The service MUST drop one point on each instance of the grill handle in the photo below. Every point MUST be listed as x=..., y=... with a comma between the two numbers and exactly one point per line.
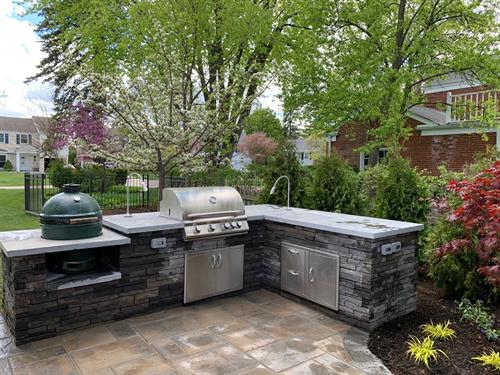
x=217, y=214
x=84, y=220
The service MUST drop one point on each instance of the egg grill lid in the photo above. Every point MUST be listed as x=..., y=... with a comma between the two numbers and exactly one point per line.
x=71, y=207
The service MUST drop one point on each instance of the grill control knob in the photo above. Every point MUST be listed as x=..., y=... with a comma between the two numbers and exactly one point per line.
x=239, y=224
x=196, y=229
x=211, y=227
x=227, y=225
x=233, y=224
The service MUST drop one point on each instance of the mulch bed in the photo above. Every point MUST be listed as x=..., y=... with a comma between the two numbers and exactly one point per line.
x=389, y=341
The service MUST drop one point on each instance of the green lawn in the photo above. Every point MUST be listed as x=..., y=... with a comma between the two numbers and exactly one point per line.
x=12, y=216
x=11, y=179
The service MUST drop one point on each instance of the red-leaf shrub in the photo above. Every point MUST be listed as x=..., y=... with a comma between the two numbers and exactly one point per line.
x=478, y=216
x=258, y=147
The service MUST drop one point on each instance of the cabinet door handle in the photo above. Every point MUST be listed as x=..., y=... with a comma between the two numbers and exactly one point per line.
x=292, y=251
x=293, y=273
x=311, y=277
x=219, y=260
x=212, y=261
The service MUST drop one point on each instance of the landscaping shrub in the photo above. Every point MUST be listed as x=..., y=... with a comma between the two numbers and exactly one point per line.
x=7, y=166
x=465, y=261
x=120, y=176
x=60, y=175
x=284, y=162
x=401, y=194
x=95, y=178
x=334, y=187
x=477, y=313
x=368, y=181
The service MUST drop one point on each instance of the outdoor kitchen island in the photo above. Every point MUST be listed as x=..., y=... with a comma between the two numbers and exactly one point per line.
x=357, y=269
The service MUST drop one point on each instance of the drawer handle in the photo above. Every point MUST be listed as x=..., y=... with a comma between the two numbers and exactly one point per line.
x=219, y=261
x=293, y=273
x=292, y=251
x=212, y=261
x=311, y=277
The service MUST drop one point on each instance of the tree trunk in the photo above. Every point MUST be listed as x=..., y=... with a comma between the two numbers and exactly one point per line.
x=373, y=158
x=161, y=175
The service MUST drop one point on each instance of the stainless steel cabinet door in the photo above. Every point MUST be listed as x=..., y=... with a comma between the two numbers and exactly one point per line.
x=322, y=279
x=292, y=268
x=229, y=266
x=199, y=276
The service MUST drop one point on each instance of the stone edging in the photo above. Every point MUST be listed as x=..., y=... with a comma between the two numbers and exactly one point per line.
x=356, y=345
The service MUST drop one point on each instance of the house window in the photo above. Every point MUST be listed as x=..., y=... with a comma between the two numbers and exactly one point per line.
x=4, y=138
x=23, y=139
x=3, y=159
x=364, y=158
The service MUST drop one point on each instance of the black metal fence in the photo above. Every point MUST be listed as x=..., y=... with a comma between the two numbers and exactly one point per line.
x=110, y=190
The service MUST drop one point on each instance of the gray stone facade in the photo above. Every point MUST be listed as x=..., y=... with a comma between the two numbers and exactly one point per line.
x=373, y=288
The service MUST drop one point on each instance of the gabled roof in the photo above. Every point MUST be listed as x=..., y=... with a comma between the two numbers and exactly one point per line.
x=17, y=124
x=42, y=123
x=426, y=115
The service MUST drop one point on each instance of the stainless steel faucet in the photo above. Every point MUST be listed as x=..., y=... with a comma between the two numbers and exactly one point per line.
x=129, y=180
x=273, y=189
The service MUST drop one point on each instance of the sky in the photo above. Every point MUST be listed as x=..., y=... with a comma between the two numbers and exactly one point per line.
x=21, y=52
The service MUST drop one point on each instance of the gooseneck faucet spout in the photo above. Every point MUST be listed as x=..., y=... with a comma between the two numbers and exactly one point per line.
x=130, y=182
x=273, y=189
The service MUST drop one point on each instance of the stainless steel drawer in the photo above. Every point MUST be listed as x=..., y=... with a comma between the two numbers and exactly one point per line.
x=293, y=261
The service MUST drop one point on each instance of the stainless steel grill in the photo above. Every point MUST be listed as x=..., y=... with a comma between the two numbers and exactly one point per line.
x=205, y=211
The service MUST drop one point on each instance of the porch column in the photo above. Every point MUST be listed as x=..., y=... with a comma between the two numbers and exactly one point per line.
x=18, y=161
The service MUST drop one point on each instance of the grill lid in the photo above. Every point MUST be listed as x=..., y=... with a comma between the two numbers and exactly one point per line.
x=198, y=203
x=71, y=215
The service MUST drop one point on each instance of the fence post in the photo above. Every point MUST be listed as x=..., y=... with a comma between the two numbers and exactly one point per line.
x=27, y=204
x=42, y=185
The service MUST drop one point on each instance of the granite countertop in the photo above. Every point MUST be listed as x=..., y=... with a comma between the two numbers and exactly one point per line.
x=360, y=226
x=30, y=242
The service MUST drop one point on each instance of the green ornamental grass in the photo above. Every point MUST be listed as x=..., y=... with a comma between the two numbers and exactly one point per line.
x=440, y=331
x=423, y=351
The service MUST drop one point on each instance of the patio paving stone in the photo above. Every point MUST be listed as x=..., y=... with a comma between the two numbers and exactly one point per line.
x=58, y=365
x=169, y=349
x=256, y=333
x=195, y=342
x=112, y=354
x=155, y=365
x=208, y=363
x=283, y=354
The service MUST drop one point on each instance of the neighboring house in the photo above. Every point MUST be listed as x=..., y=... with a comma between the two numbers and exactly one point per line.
x=443, y=132
x=304, y=152
x=239, y=161
x=20, y=140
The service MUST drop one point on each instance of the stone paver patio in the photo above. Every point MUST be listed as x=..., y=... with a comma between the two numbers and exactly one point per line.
x=258, y=332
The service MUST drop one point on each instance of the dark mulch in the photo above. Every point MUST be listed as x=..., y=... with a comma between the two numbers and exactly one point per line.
x=389, y=341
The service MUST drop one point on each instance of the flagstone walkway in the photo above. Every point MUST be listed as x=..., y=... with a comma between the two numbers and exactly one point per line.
x=255, y=333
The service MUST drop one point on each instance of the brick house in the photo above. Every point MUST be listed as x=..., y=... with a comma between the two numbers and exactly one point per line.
x=20, y=139
x=442, y=134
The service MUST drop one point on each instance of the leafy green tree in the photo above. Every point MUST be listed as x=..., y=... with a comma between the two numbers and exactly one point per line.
x=363, y=62
x=284, y=162
x=334, y=186
x=400, y=193
x=263, y=120
x=221, y=50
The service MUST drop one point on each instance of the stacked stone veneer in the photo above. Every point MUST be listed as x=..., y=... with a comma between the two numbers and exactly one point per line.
x=373, y=288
